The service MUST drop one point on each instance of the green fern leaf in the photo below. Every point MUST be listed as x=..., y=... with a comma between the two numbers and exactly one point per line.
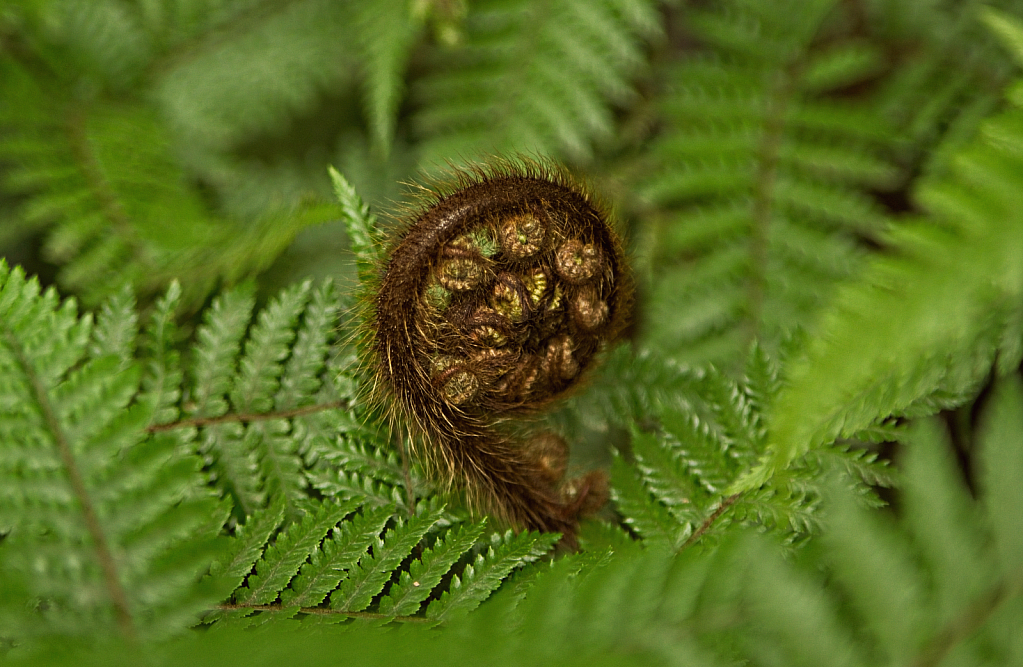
x=533, y=77
x=1003, y=463
x=249, y=542
x=651, y=520
x=218, y=343
x=109, y=524
x=387, y=32
x=343, y=485
x=338, y=555
x=486, y=572
x=369, y=576
x=284, y=558
x=161, y=381
x=951, y=291
x=424, y=573
x=267, y=345
x=666, y=478
x=360, y=224
x=763, y=183
x=116, y=327
x=301, y=377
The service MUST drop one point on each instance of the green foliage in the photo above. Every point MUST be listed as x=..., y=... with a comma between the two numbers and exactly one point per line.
x=762, y=179
x=675, y=487
x=823, y=203
x=537, y=77
x=951, y=290
x=103, y=523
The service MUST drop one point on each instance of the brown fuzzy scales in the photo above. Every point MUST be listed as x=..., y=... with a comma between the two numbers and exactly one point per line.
x=494, y=301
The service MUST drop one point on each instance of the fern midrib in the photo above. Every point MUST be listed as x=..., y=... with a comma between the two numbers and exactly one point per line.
x=763, y=199
x=117, y=594
x=323, y=611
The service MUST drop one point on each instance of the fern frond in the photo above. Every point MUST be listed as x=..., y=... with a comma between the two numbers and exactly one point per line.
x=407, y=594
x=102, y=179
x=933, y=584
x=486, y=572
x=284, y=558
x=109, y=525
x=267, y=345
x=162, y=377
x=249, y=542
x=343, y=485
x=640, y=510
x=387, y=32
x=533, y=77
x=300, y=379
x=116, y=327
x=227, y=80
x=367, y=579
x=360, y=223
x=677, y=484
x=950, y=293
x=762, y=181
x=339, y=554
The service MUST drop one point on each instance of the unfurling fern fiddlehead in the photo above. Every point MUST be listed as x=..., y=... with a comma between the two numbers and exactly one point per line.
x=494, y=300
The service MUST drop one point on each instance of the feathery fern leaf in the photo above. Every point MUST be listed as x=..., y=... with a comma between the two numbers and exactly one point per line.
x=110, y=527
x=681, y=474
x=284, y=558
x=360, y=223
x=933, y=585
x=486, y=572
x=950, y=294
x=338, y=555
x=424, y=573
x=162, y=377
x=762, y=181
x=101, y=177
x=387, y=32
x=367, y=579
x=537, y=77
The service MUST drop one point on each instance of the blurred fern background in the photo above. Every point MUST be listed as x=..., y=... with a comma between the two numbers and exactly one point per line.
x=814, y=431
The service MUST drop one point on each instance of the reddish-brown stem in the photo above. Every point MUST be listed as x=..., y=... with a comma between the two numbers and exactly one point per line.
x=320, y=611
x=709, y=521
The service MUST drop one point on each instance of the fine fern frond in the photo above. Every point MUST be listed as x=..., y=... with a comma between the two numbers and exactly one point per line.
x=101, y=177
x=951, y=293
x=249, y=541
x=533, y=77
x=360, y=223
x=338, y=555
x=367, y=579
x=284, y=558
x=934, y=584
x=423, y=575
x=108, y=525
x=761, y=185
x=162, y=376
x=679, y=481
x=387, y=32
x=486, y=572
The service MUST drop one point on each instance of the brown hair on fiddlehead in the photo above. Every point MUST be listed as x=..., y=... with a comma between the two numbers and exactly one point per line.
x=495, y=298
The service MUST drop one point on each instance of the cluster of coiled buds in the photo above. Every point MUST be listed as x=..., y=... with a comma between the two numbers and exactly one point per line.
x=495, y=299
